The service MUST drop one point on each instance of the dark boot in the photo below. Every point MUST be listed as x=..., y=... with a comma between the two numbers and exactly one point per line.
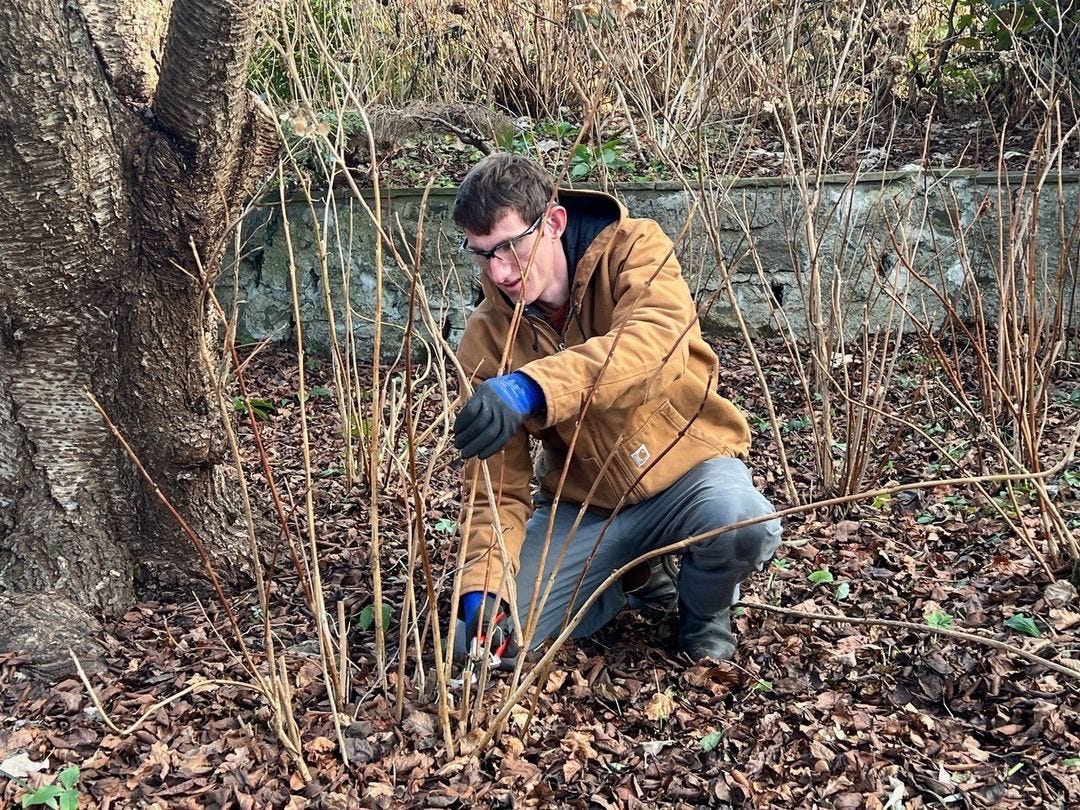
x=650, y=588
x=706, y=638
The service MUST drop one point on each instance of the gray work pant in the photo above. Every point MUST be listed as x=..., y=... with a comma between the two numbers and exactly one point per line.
x=716, y=493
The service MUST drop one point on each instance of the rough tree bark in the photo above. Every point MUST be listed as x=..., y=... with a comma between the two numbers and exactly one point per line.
x=128, y=144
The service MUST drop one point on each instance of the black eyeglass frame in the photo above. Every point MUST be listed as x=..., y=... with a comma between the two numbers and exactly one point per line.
x=487, y=255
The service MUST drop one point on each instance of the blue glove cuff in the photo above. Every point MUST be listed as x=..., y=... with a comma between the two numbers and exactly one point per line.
x=470, y=603
x=520, y=391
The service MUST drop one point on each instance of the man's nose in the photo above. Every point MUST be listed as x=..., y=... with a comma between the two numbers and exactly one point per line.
x=503, y=271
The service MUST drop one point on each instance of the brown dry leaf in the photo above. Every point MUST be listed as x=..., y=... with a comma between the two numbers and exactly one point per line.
x=18, y=740
x=845, y=530
x=419, y=724
x=1060, y=592
x=21, y=766
x=468, y=743
x=1063, y=619
x=238, y=758
x=606, y=689
x=974, y=751
x=1049, y=683
x=660, y=706
x=98, y=760
x=320, y=747
x=849, y=801
x=377, y=790
x=337, y=801
x=406, y=761
x=571, y=768
x=706, y=677
x=850, y=643
x=512, y=768
x=555, y=681
x=845, y=657
x=579, y=745
x=512, y=746
x=157, y=764
x=194, y=763
x=308, y=673
x=201, y=685
x=922, y=718
x=519, y=715
x=616, y=693
x=454, y=766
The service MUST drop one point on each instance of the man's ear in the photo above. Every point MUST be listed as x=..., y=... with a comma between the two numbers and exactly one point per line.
x=556, y=220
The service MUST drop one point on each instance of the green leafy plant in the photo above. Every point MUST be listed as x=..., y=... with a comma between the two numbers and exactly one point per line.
x=795, y=424
x=62, y=796
x=822, y=576
x=446, y=526
x=520, y=143
x=953, y=455
x=760, y=423
x=1023, y=624
x=1070, y=398
x=263, y=409
x=367, y=617
x=939, y=618
x=881, y=502
x=711, y=740
x=588, y=160
x=843, y=590
x=958, y=501
x=761, y=685
x=547, y=134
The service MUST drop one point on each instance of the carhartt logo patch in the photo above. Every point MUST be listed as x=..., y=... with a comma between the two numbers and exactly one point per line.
x=640, y=456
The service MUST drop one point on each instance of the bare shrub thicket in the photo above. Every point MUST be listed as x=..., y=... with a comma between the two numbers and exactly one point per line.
x=664, y=74
x=696, y=87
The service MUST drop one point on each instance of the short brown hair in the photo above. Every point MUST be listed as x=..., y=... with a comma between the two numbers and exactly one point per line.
x=499, y=183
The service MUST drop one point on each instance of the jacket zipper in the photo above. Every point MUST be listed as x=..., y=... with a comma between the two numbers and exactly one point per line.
x=542, y=326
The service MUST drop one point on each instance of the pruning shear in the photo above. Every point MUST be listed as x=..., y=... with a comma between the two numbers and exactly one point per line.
x=498, y=650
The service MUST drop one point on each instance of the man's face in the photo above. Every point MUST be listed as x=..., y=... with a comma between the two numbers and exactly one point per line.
x=523, y=262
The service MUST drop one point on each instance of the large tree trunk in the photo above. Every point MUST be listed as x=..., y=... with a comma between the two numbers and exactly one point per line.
x=112, y=181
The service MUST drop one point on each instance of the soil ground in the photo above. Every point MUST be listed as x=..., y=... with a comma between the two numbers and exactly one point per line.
x=808, y=714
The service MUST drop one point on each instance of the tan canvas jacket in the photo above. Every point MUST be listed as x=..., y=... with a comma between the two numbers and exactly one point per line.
x=632, y=350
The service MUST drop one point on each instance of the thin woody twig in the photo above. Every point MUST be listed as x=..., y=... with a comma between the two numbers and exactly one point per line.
x=123, y=732
x=925, y=629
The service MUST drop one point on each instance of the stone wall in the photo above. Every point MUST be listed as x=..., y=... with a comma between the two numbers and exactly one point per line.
x=882, y=249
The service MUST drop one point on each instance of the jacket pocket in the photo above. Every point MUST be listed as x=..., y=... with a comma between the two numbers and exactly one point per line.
x=696, y=429
x=586, y=474
x=638, y=454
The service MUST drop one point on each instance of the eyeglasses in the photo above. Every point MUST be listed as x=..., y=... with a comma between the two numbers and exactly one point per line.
x=485, y=256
